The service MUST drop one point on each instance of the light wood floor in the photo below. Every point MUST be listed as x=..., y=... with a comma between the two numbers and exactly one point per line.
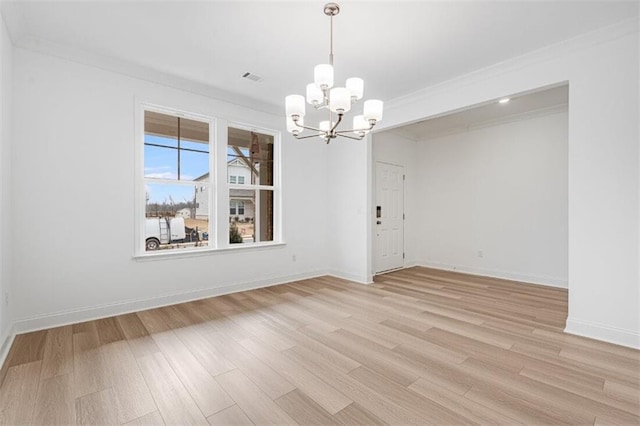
x=419, y=346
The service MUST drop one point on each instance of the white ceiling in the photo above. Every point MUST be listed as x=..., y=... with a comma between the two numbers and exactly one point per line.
x=519, y=107
x=397, y=47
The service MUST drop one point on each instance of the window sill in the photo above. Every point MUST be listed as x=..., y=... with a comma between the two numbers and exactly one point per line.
x=204, y=251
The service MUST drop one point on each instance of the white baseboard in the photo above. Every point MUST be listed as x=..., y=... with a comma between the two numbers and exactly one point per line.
x=360, y=279
x=526, y=278
x=603, y=332
x=57, y=319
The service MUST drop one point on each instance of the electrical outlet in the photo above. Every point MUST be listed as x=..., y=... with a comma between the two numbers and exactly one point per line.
x=6, y=298
x=293, y=258
x=480, y=253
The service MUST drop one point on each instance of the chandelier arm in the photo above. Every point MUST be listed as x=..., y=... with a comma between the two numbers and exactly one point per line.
x=355, y=138
x=313, y=129
x=356, y=130
x=337, y=123
x=306, y=137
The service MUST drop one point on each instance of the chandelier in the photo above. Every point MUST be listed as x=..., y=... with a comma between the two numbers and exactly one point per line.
x=336, y=100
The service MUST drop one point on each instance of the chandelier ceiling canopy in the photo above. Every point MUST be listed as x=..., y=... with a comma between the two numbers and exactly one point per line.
x=322, y=95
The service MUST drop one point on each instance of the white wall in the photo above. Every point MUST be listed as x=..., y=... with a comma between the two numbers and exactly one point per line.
x=348, y=212
x=389, y=147
x=6, y=68
x=602, y=71
x=74, y=149
x=500, y=190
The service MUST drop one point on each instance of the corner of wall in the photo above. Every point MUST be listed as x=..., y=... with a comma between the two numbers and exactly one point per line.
x=6, y=83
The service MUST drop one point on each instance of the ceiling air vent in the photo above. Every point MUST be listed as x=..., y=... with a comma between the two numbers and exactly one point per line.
x=252, y=77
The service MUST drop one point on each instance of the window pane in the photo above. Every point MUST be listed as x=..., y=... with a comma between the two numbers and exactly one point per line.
x=194, y=146
x=175, y=148
x=154, y=140
x=250, y=216
x=194, y=165
x=162, y=125
x=265, y=216
x=160, y=163
x=250, y=156
x=176, y=216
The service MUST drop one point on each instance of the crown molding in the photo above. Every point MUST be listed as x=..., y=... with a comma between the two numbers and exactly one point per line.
x=545, y=54
x=141, y=72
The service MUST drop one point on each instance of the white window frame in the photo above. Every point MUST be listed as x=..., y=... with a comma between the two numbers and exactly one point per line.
x=218, y=186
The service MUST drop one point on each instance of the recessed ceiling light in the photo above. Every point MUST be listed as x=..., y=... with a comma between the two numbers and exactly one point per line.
x=504, y=100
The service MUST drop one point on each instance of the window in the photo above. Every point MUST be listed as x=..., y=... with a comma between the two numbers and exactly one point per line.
x=236, y=207
x=179, y=198
x=176, y=169
x=236, y=179
x=250, y=156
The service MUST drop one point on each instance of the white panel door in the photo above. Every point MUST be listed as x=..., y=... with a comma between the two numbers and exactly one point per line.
x=389, y=217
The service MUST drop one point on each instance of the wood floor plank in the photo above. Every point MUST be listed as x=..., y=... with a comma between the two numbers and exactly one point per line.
x=254, y=403
x=368, y=353
x=26, y=348
x=267, y=379
x=133, y=398
x=355, y=415
x=207, y=354
x=565, y=406
x=140, y=341
x=465, y=407
x=174, y=401
x=90, y=371
x=431, y=412
x=324, y=395
x=204, y=390
x=97, y=408
x=18, y=393
x=232, y=416
x=622, y=364
x=55, y=403
x=622, y=392
x=304, y=410
x=57, y=358
x=151, y=419
x=109, y=330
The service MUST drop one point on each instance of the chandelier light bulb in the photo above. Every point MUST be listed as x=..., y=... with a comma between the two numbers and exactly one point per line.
x=314, y=94
x=323, y=76
x=294, y=105
x=373, y=110
x=340, y=100
x=325, y=127
x=356, y=87
x=360, y=125
x=293, y=127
